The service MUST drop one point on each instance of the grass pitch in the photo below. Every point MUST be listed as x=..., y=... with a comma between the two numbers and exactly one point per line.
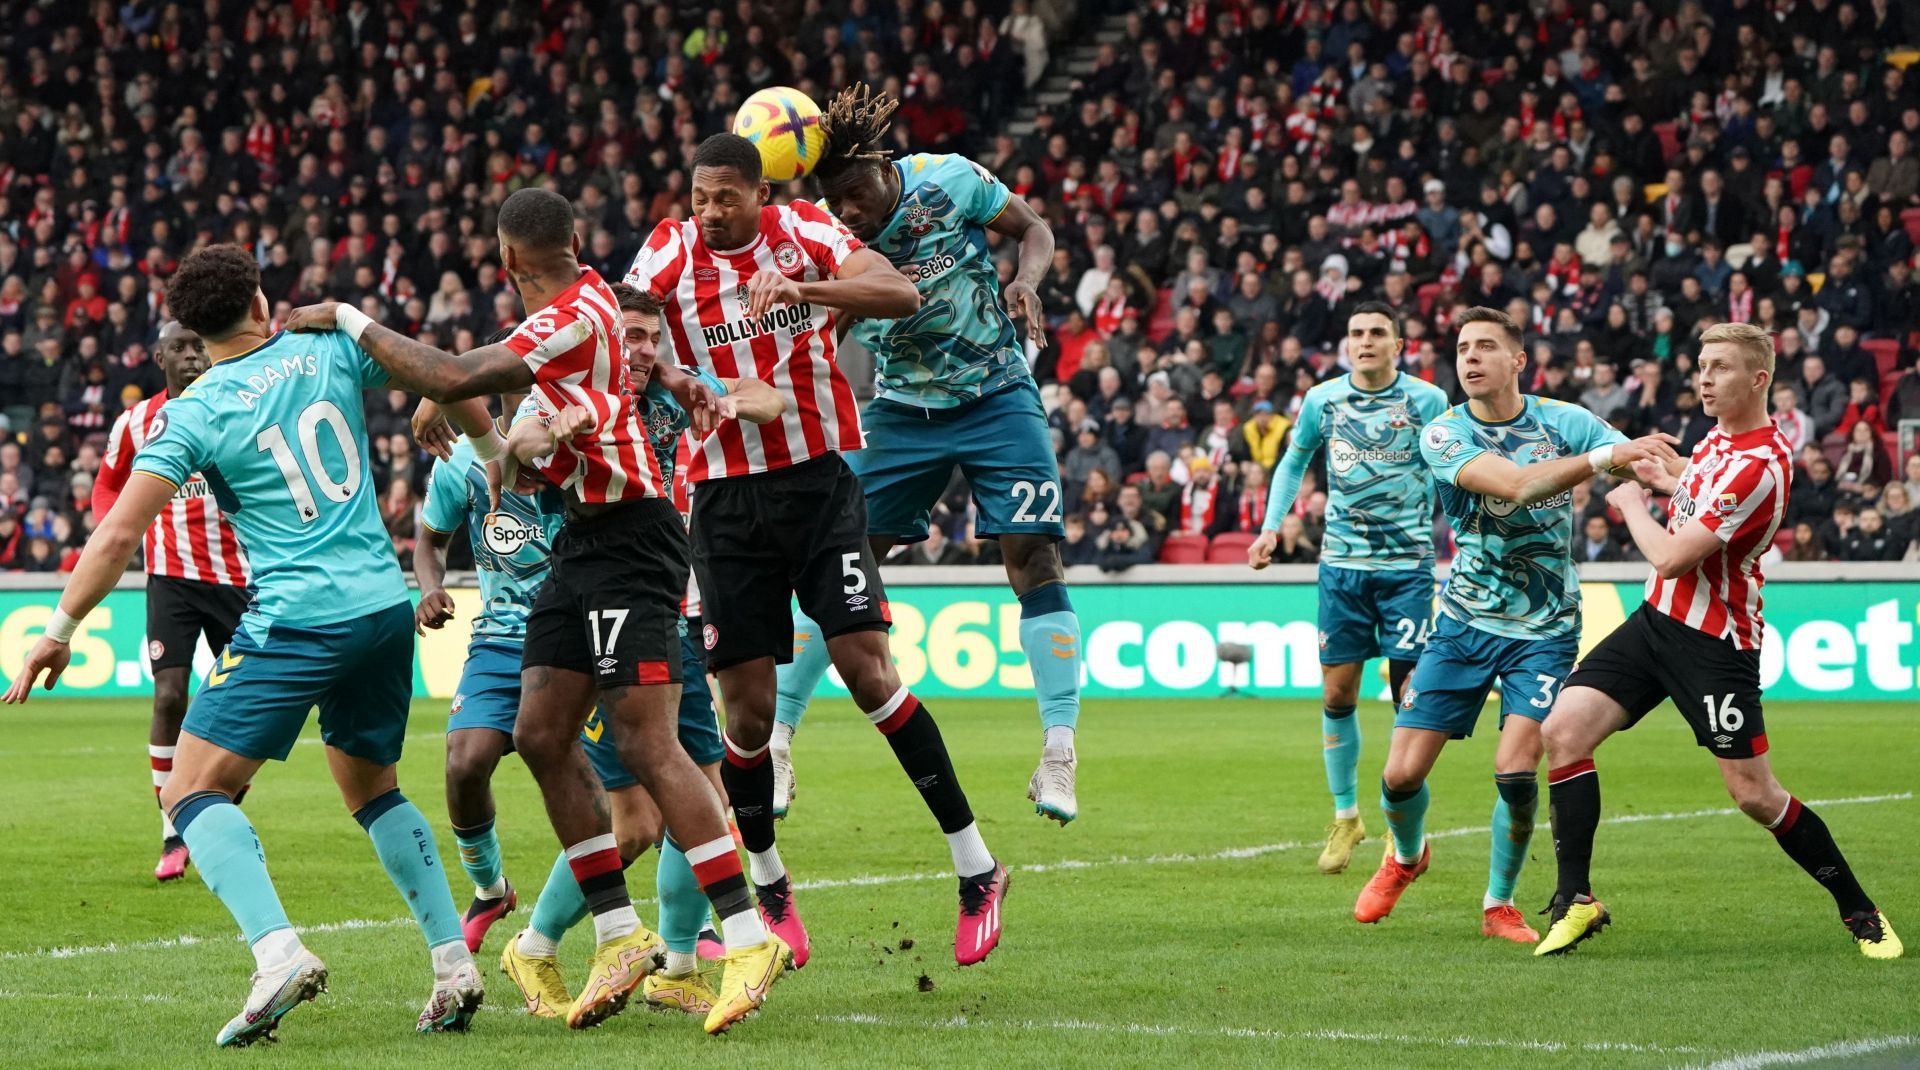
x=1179, y=921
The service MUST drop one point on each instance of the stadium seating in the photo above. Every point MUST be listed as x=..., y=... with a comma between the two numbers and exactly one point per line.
x=1229, y=548
x=1182, y=549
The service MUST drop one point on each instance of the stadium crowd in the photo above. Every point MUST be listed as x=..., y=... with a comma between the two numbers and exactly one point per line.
x=1225, y=181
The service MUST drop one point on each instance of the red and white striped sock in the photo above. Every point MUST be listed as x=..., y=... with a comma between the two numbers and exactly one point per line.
x=161, y=760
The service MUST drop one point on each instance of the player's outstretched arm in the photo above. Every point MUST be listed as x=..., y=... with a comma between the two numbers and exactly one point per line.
x=105, y=558
x=1671, y=555
x=416, y=366
x=1286, y=485
x=866, y=286
x=1490, y=474
x=755, y=401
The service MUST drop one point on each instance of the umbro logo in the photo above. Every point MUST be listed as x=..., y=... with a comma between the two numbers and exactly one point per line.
x=608, y=663
x=706, y=274
x=1722, y=740
x=857, y=601
x=927, y=781
x=749, y=811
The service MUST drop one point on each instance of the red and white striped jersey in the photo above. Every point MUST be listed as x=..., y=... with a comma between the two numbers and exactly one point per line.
x=575, y=349
x=190, y=539
x=1735, y=485
x=705, y=323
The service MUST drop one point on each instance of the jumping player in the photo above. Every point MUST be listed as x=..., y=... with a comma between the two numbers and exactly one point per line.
x=1376, y=564
x=751, y=290
x=275, y=426
x=1696, y=640
x=606, y=622
x=1507, y=463
x=953, y=388
x=196, y=572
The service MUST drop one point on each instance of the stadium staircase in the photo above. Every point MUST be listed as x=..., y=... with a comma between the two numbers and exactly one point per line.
x=1065, y=63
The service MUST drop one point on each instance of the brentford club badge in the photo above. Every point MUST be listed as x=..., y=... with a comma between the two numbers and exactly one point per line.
x=155, y=650
x=710, y=635
x=786, y=256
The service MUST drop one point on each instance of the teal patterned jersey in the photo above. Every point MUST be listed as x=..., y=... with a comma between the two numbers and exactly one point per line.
x=665, y=420
x=961, y=345
x=1379, y=491
x=1513, y=575
x=279, y=434
x=512, y=545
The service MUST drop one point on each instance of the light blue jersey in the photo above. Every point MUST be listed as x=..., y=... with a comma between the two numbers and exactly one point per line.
x=1513, y=575
x=279, y=433
x=961, y=345
x=512, y=545
x=1379, y=491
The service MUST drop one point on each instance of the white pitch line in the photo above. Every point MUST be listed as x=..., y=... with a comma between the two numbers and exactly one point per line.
x=1231, y=854
x=1846, y=1049
x=1337, y=1035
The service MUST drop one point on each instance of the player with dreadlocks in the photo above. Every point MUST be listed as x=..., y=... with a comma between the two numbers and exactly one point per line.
x=953, y=388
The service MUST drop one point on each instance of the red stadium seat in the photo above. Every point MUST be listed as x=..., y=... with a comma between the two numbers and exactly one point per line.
x=1138, y=477
x=1492, y=76
x=1229, y=548
x=1783, y=539
x=1160, y=324
x=1669, y=135
x=1184, y=550
x=1427, y=295
x=1886, y=353
x=1888, y=381
x=1910, y=218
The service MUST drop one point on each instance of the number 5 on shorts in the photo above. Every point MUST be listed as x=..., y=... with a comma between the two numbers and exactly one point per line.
x=855, y=576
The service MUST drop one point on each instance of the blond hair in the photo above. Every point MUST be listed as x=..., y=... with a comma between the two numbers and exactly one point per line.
x=1753, y=342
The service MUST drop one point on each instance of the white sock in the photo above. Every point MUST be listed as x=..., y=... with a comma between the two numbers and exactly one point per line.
x=970, y=855
x=614, y=924
x=782, y=735
x=160, y=776
x=744, y=929
x=166, y=827
x=1060, y=735
x=276, y=947
x=449, y=957
x=535, y=943
x=681, y=963
x=1488, y=902
x=765, y=867
x=492, y=891
x=1347, y=813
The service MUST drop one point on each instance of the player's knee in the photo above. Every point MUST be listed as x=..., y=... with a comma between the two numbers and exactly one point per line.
x=170, y=699
x=1760, y=798
x=1032, y=562
x=1402, y=776
x=539, y=744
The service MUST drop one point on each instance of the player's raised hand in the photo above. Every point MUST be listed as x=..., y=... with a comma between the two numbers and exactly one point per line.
x=434, y=611
x=1627, y=497
x=312, y=317
x=46, y=656
x=1655, y=447
x=1260, y=554
x=432, y=431
x=1024, y=302
x=767, y=289
x=1655, y=475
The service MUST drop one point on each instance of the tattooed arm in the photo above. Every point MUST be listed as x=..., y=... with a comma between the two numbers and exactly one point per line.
x=416, y=366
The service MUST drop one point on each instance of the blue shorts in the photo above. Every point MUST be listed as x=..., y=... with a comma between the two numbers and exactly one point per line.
x=1462, y=663
x=699, y=732
x=1366, y=613
x=359, y=672
x=1001, y=444
x=489, y=691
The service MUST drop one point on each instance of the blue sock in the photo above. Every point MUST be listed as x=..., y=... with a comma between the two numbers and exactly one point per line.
x=1512, y=831
x=1340, y=734
x=800, y=678
x=479, y=854
x=404, y=842
x=683, y=906
x=561, y=905
x=1050, y=636
x=227, y=853
x=1407, y=820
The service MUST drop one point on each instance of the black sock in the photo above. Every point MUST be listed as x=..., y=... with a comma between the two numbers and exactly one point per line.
x=917, y=745
x=749, y=783
x=1521, y=792
x=1806, y=840
x=1573, y=806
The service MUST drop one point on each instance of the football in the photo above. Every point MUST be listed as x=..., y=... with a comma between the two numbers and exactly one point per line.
x=784, y=124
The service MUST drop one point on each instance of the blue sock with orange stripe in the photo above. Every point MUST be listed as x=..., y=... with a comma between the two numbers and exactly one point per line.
x=1050, y=636
x=800, y=678
x=480, y=857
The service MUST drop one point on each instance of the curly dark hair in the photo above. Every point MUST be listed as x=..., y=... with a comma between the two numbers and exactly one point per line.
x=856, y=124
x=213, y=290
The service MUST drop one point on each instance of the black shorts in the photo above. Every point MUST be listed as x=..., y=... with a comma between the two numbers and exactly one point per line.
x=611, y=606
x=1715, y=684
x=763, y=539
x=180, y=611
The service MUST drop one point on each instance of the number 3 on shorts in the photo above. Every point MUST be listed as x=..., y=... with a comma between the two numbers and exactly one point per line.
x=1027, y=493
x=1547, y=684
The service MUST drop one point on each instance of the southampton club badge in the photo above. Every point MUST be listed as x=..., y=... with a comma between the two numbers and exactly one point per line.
x=786, y=256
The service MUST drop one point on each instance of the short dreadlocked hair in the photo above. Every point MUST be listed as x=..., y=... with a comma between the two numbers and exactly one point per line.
x=856, y=124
